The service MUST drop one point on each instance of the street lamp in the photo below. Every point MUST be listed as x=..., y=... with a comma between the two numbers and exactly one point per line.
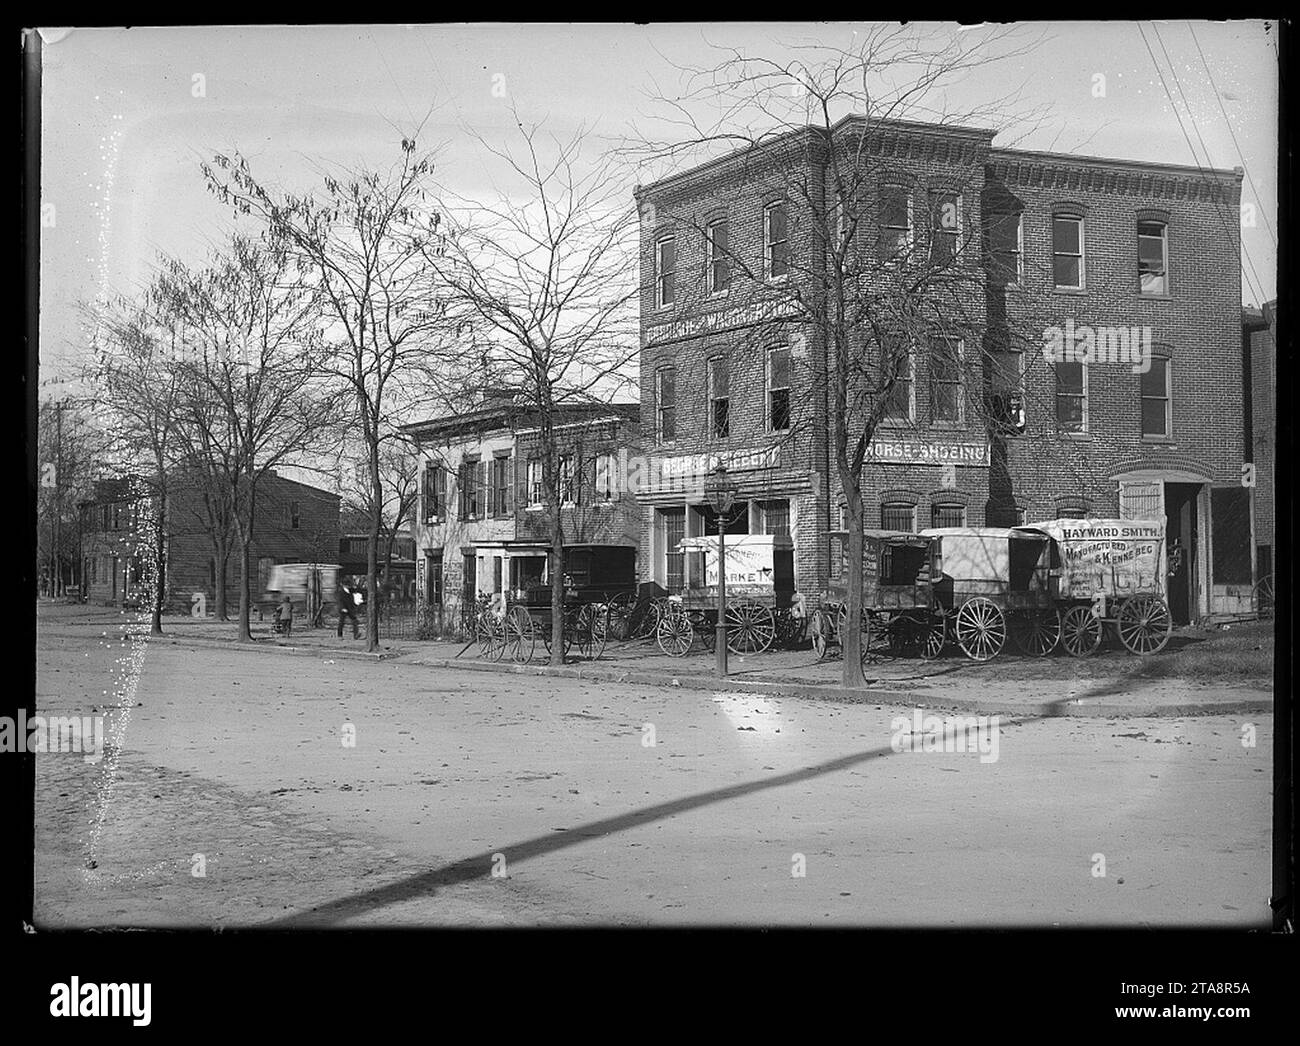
x=720, y=490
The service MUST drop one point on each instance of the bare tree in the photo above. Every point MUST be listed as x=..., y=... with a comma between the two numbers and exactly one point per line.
x=256, y=394
x=544, y=277
x=134, y=350
x=363, y=240
x=866, y=279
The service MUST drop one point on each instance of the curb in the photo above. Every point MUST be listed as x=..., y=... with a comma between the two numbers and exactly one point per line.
x=263, y=646
x=867, y=695
x=1074, y=707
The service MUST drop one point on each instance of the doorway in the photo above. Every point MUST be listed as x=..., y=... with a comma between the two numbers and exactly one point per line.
x=1182, y=538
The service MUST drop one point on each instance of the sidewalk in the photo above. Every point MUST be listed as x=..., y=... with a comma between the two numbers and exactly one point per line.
x=1113, y=683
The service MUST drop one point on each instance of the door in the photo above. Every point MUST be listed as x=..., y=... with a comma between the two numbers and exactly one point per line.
x=1181, y=538
x=469, y=595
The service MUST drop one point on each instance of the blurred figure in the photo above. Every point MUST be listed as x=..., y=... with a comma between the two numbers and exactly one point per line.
x=347, y=603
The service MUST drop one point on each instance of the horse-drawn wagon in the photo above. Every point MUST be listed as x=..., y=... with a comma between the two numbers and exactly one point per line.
x=762, y=607
x=1108, y=572
x=899, y=612
x=993, y=581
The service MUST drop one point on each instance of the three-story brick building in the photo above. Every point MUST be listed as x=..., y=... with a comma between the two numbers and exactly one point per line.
x=1096, y=371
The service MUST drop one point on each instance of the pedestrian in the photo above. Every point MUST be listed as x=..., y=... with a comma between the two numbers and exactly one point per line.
x=284, y=615
x=347, y=606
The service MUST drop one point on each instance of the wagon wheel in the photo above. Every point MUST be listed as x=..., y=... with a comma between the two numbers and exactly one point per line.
x=751, y=627
x=1144, y=624
x=521, y=637
x=706, y=628
x=873, y=634
x=981, y=629
x=485, y=631
x=915, y=634
x=592, y=628
x=1036, y=632
x=1262, y=596
x=821, y=631
x=935, y=639
x=1081, y=631
x=655, y=610
x=621, y=609
x=674, y=633
x=546, y=633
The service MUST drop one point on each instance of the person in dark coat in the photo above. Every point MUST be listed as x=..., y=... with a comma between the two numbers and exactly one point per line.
x=284, y=615
x=347, y=607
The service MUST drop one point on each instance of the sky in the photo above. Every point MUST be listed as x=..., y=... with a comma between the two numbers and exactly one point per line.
x=128, y=115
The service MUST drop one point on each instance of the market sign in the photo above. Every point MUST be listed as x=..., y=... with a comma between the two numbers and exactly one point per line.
x=911, y=450
x=722, y=319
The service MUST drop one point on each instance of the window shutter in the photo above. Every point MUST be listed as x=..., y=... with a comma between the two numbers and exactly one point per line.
x=509, y=486
x=491, y=488
x=482, y=482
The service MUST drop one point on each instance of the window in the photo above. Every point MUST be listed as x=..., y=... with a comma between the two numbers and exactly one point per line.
x=1156, y=420
x=666, y=404
x=946, y=406
x=499, y=482
x=895, y=515
x=435, y=493
x=1006, y=392
x=294, y=515
x=896, y=359
x=1072, y=512
x=605, y=477
x=947, y=515
x=1071, y=397
x=719, y=398
x=895, y=222
x=467, y=482
x=673, y=522
x=1067, y=253
x=774, y=516
x=533, y=478
x=434, y=580
x=567, y=493
x=776, y=237
x=1006, y=235
x=717, y=237
x=1153, y=252
x=778, y=388
x=945, y=226
x=665, y=271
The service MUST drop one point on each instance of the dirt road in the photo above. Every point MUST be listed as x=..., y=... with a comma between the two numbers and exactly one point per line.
x=482, y=799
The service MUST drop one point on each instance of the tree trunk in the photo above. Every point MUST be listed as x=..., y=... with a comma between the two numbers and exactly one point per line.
x=245, y=592
x=372, y=608
x=159, y=566
x=557, y=588
x=219, y=584
x=852, y=639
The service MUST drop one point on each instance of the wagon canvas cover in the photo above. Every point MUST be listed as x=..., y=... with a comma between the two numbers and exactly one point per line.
x=978, y=553
x=1116, y=557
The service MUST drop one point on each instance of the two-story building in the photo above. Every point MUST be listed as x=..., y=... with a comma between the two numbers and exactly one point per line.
x=482, y=529
x=293, y=523
x=1096, y=371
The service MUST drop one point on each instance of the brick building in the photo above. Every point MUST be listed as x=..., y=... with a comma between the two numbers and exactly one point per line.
x=294, y=523
x=984, y=427
x=481, y=529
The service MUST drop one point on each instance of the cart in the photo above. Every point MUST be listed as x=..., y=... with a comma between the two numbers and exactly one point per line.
x=761, y=604
x=899, y=612
x=993, y=581
x=594, y=577
x=1109, y=572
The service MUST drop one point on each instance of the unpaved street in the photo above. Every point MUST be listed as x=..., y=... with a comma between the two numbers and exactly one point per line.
x=234, y=763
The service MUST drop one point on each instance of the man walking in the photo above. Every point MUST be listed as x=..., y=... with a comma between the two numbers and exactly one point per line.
x=344, y=597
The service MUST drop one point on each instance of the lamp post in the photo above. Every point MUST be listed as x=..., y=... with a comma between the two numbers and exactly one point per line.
x=720, y=490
